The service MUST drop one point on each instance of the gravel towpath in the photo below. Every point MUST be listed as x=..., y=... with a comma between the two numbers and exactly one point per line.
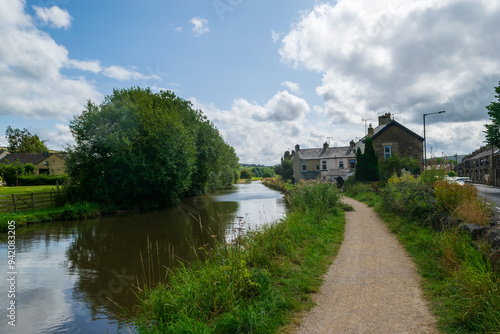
x=372, y=286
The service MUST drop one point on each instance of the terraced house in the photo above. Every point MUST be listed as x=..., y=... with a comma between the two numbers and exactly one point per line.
x=390, y=138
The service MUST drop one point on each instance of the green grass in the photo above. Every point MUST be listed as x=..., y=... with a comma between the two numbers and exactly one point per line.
x=277, y=183
x=67, y=212
x=457, y=276
x=256, y=284
x=26, y=190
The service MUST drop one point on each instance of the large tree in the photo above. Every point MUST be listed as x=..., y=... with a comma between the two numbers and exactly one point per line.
x=144, y=149
x=493, y=129
x=22, y=141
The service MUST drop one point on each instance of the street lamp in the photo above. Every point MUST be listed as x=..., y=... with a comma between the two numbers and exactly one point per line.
x=425, y=142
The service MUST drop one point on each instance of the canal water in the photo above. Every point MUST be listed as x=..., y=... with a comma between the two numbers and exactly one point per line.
x=72, y=275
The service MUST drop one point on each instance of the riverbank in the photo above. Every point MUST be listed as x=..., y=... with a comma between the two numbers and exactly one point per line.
x=257, y=283
x=67, y=212
x=277, y=183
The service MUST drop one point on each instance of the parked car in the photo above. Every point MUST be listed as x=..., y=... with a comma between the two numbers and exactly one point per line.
x=463, y=180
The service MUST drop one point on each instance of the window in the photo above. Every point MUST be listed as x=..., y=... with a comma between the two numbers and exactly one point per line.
x=341, y=164
x=304, y=165
x=387, y=152
x=352, y=163
x=324, y=165
x=317, y=167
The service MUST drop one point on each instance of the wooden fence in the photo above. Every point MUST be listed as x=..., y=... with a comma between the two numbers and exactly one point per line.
x=14, y=203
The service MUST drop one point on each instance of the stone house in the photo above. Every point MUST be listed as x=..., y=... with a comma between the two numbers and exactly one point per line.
x=478, y=167
x=45, y=163
x=325, y=163
x=390, y=138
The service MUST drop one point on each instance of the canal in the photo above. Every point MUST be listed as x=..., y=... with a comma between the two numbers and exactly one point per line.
x=71, y=276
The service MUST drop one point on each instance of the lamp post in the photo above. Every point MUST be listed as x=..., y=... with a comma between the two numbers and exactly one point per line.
x=425, y=142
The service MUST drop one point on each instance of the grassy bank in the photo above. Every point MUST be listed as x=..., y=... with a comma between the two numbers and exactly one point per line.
x=458, y=277
x=67, y=212
x=26, y=190
x=277, y=183
x=257, y=283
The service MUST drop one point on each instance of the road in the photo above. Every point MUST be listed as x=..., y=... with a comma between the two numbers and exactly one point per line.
x=492, y=195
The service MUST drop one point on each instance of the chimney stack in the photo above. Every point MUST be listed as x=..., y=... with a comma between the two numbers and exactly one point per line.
x=297, y=148
x=371, y=132
x=384, y=119
x=352, y=144
x=325, y=145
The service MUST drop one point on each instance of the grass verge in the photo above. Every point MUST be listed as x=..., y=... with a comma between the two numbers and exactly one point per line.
x=457, y=277
x=67, y=212
x=258, y=282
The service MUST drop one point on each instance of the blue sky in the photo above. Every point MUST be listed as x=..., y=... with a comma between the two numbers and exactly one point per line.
x=268, y=74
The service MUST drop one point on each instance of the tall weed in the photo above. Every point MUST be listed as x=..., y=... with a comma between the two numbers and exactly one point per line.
x=314, y=196
x=449, y=195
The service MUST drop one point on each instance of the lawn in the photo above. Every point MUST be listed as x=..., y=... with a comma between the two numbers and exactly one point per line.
x=26, y=190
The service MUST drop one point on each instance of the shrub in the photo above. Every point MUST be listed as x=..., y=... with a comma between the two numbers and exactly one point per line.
x=409, y=197
x=41, y=180
x=246, y=174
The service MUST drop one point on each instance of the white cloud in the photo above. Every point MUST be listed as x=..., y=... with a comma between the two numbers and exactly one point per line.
x=259, y=132
x=57, y=138
x=403, y=57
x=53, y=16
x=178, y=29
x=31, y=82
x=200, y=26
x=293, y=86
x=85, y=65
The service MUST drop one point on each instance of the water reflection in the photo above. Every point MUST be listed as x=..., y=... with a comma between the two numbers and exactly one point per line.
x=68, y=273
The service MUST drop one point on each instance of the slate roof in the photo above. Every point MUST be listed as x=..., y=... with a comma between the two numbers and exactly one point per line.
x=322, y=153
x=381, y=128
x=24, y=158
x=486, y=153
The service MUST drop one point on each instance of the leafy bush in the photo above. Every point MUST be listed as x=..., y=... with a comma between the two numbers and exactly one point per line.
x=409, y=197
x=397, y=164
x=245, y=174
x=432, y=176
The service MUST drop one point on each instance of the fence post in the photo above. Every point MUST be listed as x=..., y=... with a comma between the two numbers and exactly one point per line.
x=33, y=201
x=15, y=203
